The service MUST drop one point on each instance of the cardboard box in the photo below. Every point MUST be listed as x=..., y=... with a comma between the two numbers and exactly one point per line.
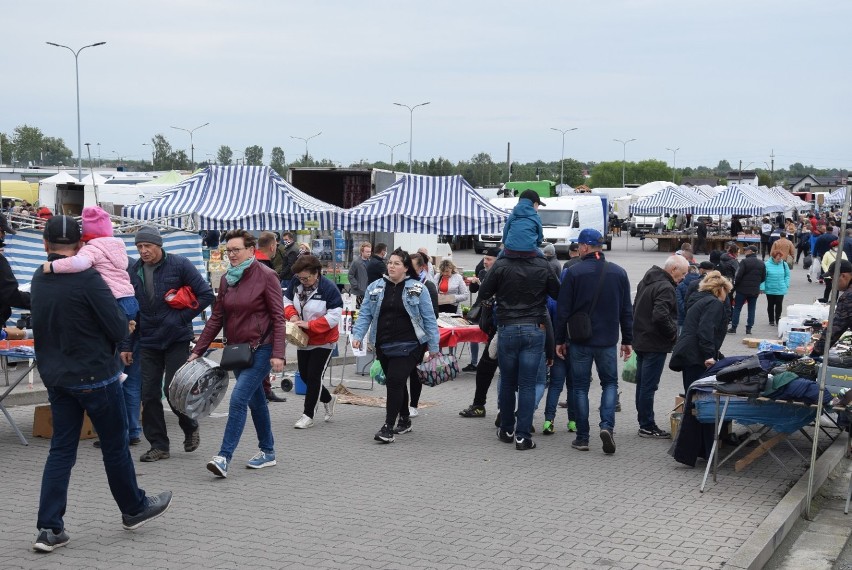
x=43, y=424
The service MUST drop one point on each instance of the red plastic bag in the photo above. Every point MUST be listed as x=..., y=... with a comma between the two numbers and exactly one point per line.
x=182, y=298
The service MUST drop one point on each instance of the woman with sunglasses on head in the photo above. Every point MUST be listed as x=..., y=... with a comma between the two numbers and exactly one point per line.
x=313, y=303
x=397, y=310
x=250, y=308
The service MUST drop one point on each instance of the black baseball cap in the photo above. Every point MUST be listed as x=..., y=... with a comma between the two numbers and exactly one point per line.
x=706, y=265
x=492, y=251
x=62, y=230
x=845, y=267
x=532, y=196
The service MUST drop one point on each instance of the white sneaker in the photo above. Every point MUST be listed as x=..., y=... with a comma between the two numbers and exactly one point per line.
x=304, y=422
x=412, y=412
x=329, y=407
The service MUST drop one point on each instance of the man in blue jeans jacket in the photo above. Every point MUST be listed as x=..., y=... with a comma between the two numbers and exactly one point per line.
x=612, y=311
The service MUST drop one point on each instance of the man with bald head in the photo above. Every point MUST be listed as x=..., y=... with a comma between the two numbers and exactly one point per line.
x=654, y=335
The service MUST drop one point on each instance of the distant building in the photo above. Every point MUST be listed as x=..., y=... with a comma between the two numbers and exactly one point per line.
x=696, y=181
x=742, y=177
x=811, y=183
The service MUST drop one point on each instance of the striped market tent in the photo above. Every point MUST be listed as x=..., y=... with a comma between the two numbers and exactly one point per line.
x=426, y=205
x=25, y=253
x=740, y=199
x=669, y=200
x=787, y=198
x=225, y=198
x=835, y=198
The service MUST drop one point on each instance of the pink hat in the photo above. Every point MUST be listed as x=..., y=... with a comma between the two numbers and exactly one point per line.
x=96, y=223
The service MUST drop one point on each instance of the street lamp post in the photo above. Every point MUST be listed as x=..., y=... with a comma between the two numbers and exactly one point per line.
x=411, y=128
x=391, y=147
x=77, y=73
x=562, y=156
x=152, y=153
x=674, y=161
x=99, y=155
x=623, y=156
x=118, y=156
x=191, y=143
x=306, y=143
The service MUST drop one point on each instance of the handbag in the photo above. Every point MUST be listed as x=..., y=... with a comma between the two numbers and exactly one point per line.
x=807, y=261
x=487, y=322
x=398, y=349
x=474, y=312
x=438, y=369
x=580, y=323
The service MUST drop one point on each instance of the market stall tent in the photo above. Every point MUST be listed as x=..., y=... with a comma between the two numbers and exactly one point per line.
x=739, y=199
x=670, y=199
x=225, y=198
x=445, y=205
x=835, y=198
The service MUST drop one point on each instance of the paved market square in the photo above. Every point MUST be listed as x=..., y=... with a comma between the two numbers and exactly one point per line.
x=447, y=495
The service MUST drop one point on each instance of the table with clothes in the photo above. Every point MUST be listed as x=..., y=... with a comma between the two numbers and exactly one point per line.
x=785, y=404
x=452, y=336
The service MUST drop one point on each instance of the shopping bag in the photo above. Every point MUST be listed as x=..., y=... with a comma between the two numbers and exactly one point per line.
x=807, y=261
x=376, y=373
x=628, y=374
x=438, y=369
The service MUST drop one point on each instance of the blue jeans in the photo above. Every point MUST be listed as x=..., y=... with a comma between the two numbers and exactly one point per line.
x=739, y=301
x=248, y=393
x=559, y=377
x=474, y=353
x=649, y=369
x=581, y=372
x=132, y=388
x=105, y=407
x=521, y=349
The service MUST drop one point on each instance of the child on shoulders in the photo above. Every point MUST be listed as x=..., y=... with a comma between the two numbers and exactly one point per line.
x=523, y=233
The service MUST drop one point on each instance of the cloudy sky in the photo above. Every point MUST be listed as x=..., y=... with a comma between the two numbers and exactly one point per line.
x=720, y=79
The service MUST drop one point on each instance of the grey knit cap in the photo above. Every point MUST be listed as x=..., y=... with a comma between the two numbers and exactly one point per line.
x=149, y=234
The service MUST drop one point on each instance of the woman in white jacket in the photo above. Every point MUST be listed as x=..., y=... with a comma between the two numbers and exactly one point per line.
x=450, y=282
x=828, y=258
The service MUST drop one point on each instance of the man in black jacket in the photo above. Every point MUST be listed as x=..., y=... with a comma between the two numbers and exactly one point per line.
x=77, y=325
x=750, y=275
x=10, y=295
x=701, y=237
x=164, y=334
x=654, y=336
x=284, y=258
x=521, y=285
x=728, y=264
x=376, y=264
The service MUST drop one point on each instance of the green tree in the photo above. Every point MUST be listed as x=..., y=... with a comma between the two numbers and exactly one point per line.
x=573, y=173
x=180, y=160
x=225, y=155
x=723, y=168
x=55, y=151
x=5, y=149
x=608, y=174
x=763, y=178
x=650, y=170
x=277, y=160
x=163, y=154
x=27, y=142
x=254, y=155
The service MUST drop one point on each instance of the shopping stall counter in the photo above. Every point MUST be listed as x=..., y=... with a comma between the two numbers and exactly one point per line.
x=452, y=336
x=18, y=350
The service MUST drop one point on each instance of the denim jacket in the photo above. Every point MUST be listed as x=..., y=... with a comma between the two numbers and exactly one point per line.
x=417, y=303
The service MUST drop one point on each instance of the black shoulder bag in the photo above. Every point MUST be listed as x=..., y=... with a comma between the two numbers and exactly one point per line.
x=580, y=323
x=239, y=356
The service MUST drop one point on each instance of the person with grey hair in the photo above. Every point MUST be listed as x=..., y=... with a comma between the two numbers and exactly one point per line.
x=550, y=255
x=654, y=336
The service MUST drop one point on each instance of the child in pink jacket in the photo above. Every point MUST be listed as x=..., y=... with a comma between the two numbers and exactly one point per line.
x=107, y=255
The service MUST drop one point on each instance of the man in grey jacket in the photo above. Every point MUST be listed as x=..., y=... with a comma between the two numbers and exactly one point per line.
x=358, y=272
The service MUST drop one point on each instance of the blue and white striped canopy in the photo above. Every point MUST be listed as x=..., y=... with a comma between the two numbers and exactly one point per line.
x=740, y=199
x=25, y=253
x=670, y=199
x=445, y=205
x=233, y=197
x=786, y=197
x=835, y=198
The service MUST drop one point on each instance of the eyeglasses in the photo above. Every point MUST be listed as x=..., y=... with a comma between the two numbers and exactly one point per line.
x=234, y=251
x=307, y=279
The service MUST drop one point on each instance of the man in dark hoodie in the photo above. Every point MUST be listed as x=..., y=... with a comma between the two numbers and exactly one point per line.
x=750, y=274
x=654, y=335
x=376, y=266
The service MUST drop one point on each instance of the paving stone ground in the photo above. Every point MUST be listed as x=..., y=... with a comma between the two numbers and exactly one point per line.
x=447, y=495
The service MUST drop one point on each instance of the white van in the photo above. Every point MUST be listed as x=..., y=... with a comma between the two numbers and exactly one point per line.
x=562, y=219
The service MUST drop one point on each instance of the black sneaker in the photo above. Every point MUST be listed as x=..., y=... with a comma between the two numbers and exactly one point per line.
x=732, y=330
x=191, y=441
x=524, y=443
x=469, y=368
x=385, y=435
x=154, y=454
x=473, y=411
x=654, y=432
x=402, y=426
x=155, y=505
x=48, y=541
x=505, y=436
x=608, y=442
x=497, y=419
x=806, y=367
x=748, y=330
x=580, y=445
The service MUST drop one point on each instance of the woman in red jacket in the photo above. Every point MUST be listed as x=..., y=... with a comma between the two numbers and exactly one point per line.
x=314, y=304
x=250, y=308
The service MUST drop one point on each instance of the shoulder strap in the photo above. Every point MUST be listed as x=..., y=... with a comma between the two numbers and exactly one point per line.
x=598, y=290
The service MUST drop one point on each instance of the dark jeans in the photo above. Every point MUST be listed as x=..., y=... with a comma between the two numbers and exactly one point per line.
x=765, y=248
x=156, y=364
x=773, y=308
x=739, y=301
x=649, y=369
x=802, y=249
x=690, y=374
x=485, y=370
x=105, y=406
x=700, y=245
x=826, y=294
x=521, y=350
x=311, y=366
x=605, y=360
x=397, y=370
x=132, y=387
x=247, y=394
x=560, y=375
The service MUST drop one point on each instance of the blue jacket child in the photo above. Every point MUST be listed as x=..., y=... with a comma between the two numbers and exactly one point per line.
x=523, y=231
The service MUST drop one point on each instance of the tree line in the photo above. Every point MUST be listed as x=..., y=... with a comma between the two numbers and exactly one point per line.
x=28, y=146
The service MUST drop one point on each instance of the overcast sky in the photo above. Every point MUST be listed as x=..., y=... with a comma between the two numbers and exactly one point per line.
x=719, y=79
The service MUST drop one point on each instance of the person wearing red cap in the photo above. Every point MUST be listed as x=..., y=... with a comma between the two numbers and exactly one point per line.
x=828, y=258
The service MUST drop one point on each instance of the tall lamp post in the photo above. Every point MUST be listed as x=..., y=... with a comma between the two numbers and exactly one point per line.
x=623, y=156
x=391, y=147
x=152, y=153
x=306, y=143
x=411, y=128
x=562, y=156
x=674, y=162
x=191, y=143
x=99, y=155
x=77, y=73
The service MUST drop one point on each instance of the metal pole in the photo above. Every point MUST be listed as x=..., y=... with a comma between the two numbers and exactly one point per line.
x=191, y=143
x=562, y=156
x=391, y=147
x=674, y=162
x=306, y=143
x=623, y=157
x=411, y=129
